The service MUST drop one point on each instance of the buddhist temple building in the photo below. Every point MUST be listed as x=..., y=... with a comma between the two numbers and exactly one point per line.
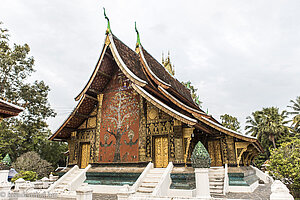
x=8, y=109
x=133, y=111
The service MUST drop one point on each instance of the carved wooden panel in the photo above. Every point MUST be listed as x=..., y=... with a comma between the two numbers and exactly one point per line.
x=214, y=150
x=161, y=152
x=85, y=155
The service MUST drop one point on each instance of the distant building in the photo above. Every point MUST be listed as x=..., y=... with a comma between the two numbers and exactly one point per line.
x=132, y=111
x=8, y=109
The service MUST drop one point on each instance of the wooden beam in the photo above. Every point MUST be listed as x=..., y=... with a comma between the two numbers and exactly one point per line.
x=81, y=115
x=90, y=97
x=93, y=91
x=104, y=74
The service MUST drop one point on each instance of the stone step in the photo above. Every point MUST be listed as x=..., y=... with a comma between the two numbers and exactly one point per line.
x=145, y=190
x=153, y=176
x=151, y=180
x=150, y=185
x=216, y=187
x=213, y=190
x=216, y=183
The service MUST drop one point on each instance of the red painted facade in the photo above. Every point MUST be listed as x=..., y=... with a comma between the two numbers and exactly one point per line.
x=120, y=122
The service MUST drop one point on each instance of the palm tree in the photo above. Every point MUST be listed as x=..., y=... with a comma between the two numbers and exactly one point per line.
x=274, y=124
x=254, y=125
x=295, y=112
x=267, y=124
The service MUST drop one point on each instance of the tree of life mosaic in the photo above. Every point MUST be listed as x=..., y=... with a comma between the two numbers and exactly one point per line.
x=120, y=125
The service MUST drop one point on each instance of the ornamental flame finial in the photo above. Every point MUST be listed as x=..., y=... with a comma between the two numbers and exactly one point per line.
x=138, y=42
x=108, y=30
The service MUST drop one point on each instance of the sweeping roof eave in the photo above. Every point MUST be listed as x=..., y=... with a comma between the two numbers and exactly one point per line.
x=233, y=133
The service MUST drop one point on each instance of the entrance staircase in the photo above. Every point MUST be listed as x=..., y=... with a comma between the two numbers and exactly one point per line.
x=152, y=182
x=70, y=181
x=216, y=181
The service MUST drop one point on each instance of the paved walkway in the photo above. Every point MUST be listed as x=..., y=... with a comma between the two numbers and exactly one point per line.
x=262, y=192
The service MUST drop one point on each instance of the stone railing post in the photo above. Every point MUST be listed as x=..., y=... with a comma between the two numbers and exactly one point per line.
x=201, y=163
x=84, y=193
x=280, y=191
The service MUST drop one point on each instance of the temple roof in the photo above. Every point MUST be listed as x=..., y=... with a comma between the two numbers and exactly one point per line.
x=150, y=79
x=8, y=109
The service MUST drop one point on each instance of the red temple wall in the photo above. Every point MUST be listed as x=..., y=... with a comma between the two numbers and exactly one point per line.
x=119, y=130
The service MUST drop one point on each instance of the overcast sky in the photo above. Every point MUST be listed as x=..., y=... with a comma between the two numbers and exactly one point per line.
x=241, y=55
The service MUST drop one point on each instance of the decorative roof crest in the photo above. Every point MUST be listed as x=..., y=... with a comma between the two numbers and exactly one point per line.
x=108, y=30
x=138, y=41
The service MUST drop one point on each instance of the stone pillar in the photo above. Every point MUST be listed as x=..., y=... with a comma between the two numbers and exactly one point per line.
x=4, y=176
x=18, y=183
x=201, y=162
x=84, y=193
x=202, y=183
x=280, y=191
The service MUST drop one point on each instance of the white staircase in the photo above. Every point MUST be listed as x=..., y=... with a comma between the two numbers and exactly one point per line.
x=70, y=181
x=153, y=182
x=150, y=181
x=216, y=181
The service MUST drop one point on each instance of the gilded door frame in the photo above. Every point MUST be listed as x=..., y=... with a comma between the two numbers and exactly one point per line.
x=80, y=158
x=153, y=147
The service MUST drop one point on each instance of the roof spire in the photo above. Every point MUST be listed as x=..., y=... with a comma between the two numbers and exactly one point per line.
x=108, y=30
x=138, y=42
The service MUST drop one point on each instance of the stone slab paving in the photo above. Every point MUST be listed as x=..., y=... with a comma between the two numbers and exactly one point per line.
x=97, y=196
x=262, y=192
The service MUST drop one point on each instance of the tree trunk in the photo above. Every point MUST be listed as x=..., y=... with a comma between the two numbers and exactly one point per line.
x=117, y=150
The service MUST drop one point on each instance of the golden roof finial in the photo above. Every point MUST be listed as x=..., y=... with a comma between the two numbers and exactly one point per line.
x=167, y=64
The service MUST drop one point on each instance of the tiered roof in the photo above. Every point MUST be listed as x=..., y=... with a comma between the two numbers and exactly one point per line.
x=8, y=109
x=148, y=78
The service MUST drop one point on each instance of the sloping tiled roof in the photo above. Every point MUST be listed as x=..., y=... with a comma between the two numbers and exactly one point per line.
x=130, y=58
x=8, y=109
x=162, y=74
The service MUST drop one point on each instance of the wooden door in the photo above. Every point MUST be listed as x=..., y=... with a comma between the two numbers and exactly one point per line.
x=161, y=152
x=85, y=155
x=214, y=150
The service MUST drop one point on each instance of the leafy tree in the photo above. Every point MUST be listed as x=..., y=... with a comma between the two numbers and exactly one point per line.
x=230, y=122
x=193, y=90
x=31, y=161
x=285, y=164
x=29, y=131
x=26, y=175
x=296, y=113
x=267, y=125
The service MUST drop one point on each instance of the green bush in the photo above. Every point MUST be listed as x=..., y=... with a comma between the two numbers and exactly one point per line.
x=285, y=164
x=26, y=175
x=31, y=161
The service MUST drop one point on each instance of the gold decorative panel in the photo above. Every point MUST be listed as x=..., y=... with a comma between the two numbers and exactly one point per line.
x=85, y=155
x=214, y=150
x=92, y=122
x=161, y=152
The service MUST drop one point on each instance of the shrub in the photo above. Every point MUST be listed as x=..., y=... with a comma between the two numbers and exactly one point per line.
x=285, y=164
x=31, y=161
x=26, y=175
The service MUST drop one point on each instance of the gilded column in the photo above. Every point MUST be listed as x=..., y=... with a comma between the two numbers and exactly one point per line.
x=142, y=131
x=97, y=134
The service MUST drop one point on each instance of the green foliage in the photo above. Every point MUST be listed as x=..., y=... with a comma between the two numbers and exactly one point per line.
x=269, y=126
x=230, y=122
x=26, y=175
x=285, y=163
x=29, y=131
x=31, y=161
x=296, y=114
x=193, y=90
